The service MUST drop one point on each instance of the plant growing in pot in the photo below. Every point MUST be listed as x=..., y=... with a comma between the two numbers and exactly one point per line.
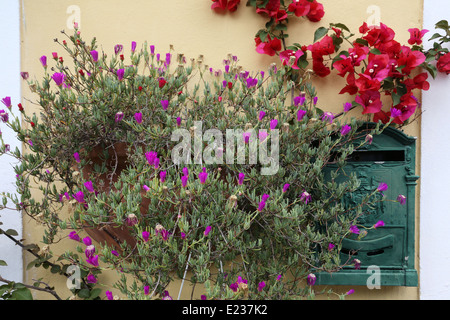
x=171, y=165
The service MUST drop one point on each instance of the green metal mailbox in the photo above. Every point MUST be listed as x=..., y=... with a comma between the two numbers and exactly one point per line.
x=388, y=250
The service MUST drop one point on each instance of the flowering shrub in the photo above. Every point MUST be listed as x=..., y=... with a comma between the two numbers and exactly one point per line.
x=374, y=65
x=103, y=147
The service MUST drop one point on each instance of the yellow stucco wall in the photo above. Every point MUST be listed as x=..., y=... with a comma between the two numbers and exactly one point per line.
x=194, y=29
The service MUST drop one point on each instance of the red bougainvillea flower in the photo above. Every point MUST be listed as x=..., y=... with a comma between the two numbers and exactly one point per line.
x=290, y=58
x=443, y=63
x=316, y=12
x=418, y=82
x=300, y=8
x=271, y=8
x=344, y=65
x=410, y=59
x=222, y=5
x=269, y=47
x=378, y=67
x=318, y=50
x=379, y=34
x=407, y=106
x=416, y=35
x=370, y=100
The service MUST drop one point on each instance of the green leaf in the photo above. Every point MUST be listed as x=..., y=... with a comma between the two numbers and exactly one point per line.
x=443, y=24
x=375, y=51
x=11, y=232
x=21, y=294
x=322, y=31
x=84, y=293
x=3, y=263
x=340, y=26
x=95, y=293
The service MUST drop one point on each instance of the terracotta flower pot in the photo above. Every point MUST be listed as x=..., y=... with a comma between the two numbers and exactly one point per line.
x=110, y=233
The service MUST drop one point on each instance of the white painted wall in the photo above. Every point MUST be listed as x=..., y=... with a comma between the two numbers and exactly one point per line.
x=10, y=86
x=435, y=175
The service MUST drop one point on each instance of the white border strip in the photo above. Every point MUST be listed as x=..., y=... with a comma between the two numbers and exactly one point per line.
x=10, y=82
x=435, y=174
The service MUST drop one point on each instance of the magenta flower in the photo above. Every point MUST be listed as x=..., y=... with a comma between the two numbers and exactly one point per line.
x=261, y=115
x=132, y=219
x=93, y=260
x=207, y=230
x=7, y=101
x=261, y=205
x=345, y=129
x=166, y=295
x=79, y=196
x=77, y=157
x=120, y=74
x=151, y=157
x=330, y=246
x=241, y=178
x=347, y=106
x=382, y=187
x=305, y=197
x=401, y=198
x=43, y=61
x=147, y=290
x=184, y=180
x=395, y=112
x=379, y=224
x=183, y=235
x=261, y=286
x=87, y=241
x=152, y=49
x=89, y=186
x=58, y=78
x=286, y=187
x=162, y=176
x=145, y=235
x=203, y=297
x=90, y=250
x=357, y=263
x=146, y=188
x=279, y=277
x=234, y=287
x=25, y=75
x=251, y=82
x=246, y=136
x=311, y=279
x=114, y=253
x=300, y=114
x=109, y=295
x=203, y=176
x=178, y=121
x=4, y=116
x=349, y=292
x=119, y=116
x=185, y=171
x=94, y=55
x=74, y=236
x=327, y=116
x=315, y=100
x=118, y=48
x=265, y=197
x=165, y=104
x=273, y=124
x=299, y=101
x=91, y=278
x=354, y=229
x=133, y=46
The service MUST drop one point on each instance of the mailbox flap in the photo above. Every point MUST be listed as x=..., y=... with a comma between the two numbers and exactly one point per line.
x=373, y=245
